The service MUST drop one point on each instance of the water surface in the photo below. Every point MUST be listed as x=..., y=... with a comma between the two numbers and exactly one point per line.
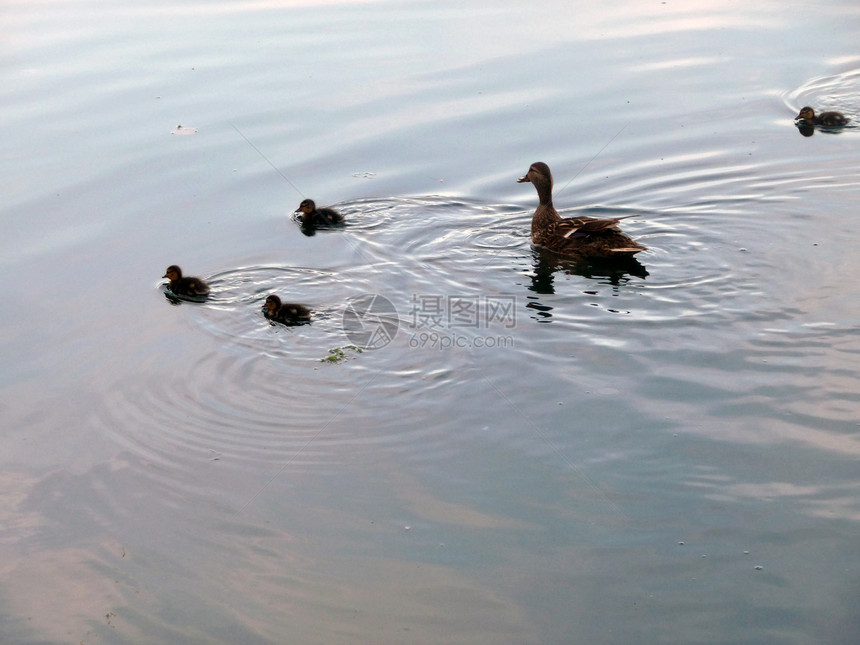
x=544, y=452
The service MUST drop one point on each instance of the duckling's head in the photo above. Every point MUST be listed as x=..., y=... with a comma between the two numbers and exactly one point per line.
x=173, y=273
x=538, y=174
x=806, y=114
x=273, y=303
x=307, y=207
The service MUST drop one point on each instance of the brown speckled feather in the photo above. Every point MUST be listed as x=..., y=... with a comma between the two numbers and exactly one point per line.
x=289, y=313
x=828, y=119
x=313, y=216
x=599, y=238
x=185, y=286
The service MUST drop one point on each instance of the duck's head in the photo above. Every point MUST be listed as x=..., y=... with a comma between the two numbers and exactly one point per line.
x=272, y=303
x=307, y=207
x=538, y=174
x=806, y=114
x=173, y=273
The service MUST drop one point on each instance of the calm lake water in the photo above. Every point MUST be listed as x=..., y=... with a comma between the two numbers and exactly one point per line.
x=542, y=452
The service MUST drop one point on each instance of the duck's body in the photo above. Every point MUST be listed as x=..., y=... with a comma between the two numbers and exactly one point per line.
x=830, y=119
x=189, y=287
x=585, y=237
x=288, y=313
x=313, y=216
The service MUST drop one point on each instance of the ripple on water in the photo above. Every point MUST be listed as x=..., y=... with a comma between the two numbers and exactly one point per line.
x=688, y=256
x=439, y=246
x=233, y=311
x=264, y=396
x=256, y=409
x=835, y=92
x=429, y=229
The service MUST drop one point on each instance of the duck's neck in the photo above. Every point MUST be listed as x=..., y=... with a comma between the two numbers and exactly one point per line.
x=544, y=191
x=545, y=213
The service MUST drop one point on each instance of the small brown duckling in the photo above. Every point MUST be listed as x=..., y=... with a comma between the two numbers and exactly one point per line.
x=584, y=237
x=288, y=313
x=179, y=286
x=807, y=115
x=318, y=216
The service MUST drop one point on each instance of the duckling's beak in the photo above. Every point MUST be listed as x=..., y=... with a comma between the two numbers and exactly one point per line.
x=164, y=276
x=524, y=179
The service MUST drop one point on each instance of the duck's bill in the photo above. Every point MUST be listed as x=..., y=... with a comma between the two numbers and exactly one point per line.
x=523, y=180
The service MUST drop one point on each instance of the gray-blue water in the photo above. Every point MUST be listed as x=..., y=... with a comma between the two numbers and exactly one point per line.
x=544, y=452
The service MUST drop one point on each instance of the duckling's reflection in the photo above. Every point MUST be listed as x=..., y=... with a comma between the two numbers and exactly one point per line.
x=546, y=264
x=805, y=129
x=178, y=300
x=310, y=228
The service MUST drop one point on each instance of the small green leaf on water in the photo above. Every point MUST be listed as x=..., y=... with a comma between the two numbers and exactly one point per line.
x=338, y=355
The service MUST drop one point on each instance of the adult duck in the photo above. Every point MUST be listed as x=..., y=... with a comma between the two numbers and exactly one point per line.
x=288, y=313
x=827, y=119
x=313, y=216
x=189, y=287
x=584, y=237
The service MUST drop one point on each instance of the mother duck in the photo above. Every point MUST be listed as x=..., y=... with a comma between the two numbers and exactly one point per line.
x=584, y=237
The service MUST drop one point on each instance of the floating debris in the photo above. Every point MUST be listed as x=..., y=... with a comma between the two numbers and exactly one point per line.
x=183, y=129
x=338, y=354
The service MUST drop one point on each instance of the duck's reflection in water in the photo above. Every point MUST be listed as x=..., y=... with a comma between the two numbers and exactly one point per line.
x=546, y=264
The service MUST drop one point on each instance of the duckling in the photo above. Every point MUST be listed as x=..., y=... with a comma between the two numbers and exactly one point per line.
x=318, y=216
x=807, y=115
x=288, y=312
x=179, y=286
x=584, y=237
